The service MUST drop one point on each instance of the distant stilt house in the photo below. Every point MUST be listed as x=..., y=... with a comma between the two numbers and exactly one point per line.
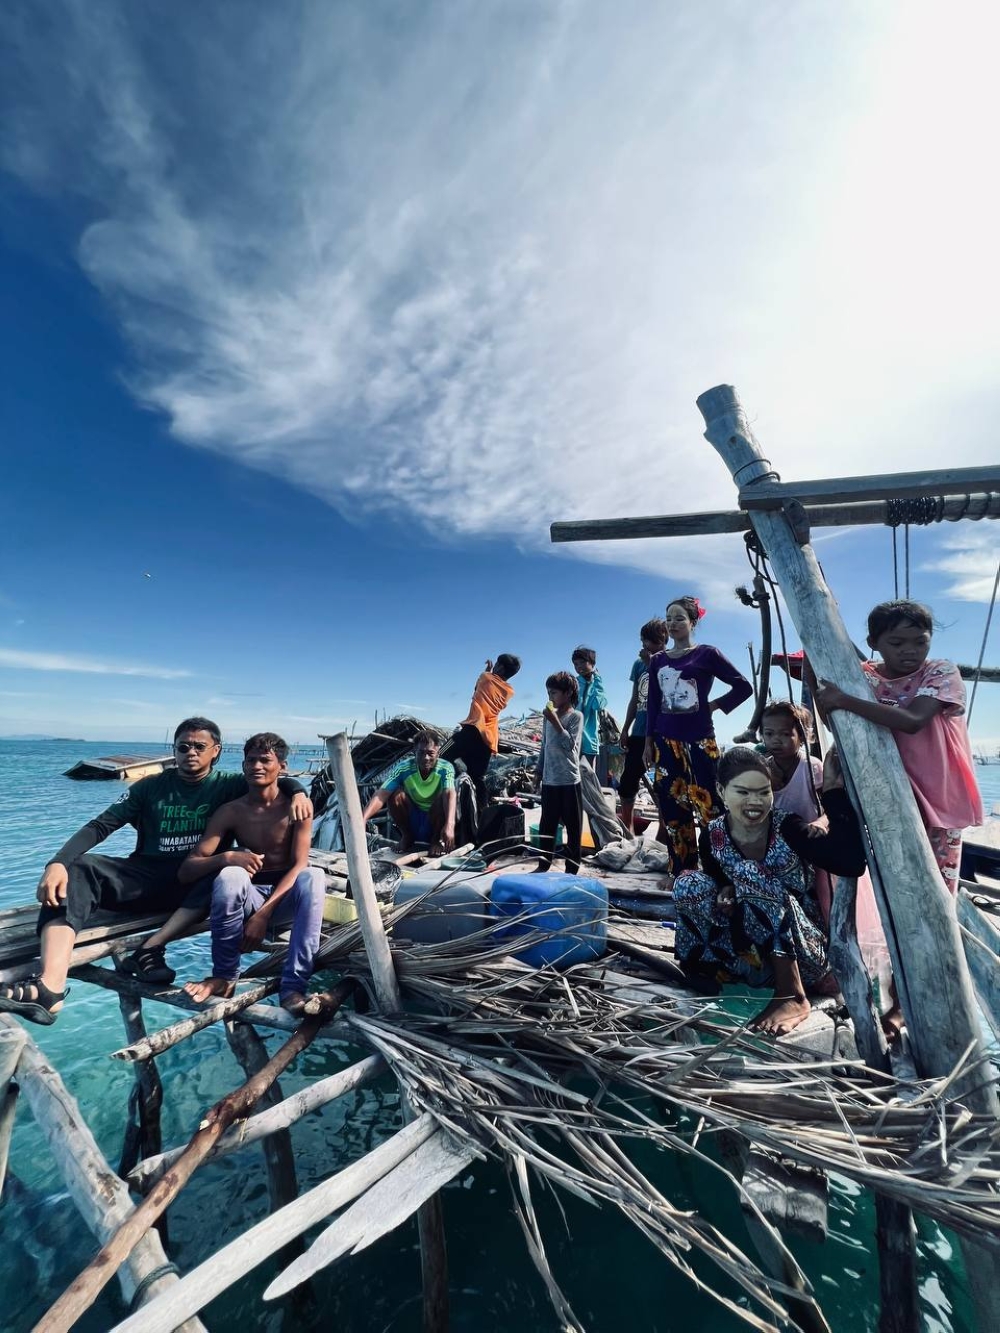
x=120, y=767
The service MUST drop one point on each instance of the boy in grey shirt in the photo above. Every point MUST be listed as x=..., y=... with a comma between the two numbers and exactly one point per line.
x=558, y=772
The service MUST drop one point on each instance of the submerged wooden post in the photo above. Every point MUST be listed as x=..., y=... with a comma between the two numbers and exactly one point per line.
x=921, y=928
x=11, y=1044
x=134, y=1229
x=148, y=1142
x=250, y=1051
x=102, y=1200
x=430, y=1218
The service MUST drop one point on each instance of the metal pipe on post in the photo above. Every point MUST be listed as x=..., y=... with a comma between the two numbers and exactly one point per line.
x=932, y=977
x=430, y=1218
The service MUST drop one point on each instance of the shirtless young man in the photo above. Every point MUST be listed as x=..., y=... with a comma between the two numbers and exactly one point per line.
x=169, y=812
x=266, y=881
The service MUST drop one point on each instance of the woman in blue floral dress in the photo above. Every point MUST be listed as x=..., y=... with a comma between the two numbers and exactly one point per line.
x=750, y=913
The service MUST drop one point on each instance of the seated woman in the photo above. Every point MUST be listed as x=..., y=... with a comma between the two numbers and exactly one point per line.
x=750, y=914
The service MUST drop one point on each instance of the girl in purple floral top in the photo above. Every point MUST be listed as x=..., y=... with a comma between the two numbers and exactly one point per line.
x=680, y=737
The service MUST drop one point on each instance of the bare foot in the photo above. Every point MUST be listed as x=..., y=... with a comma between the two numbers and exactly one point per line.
x=782, y=1015
x=294, y=1002
x=893, y=1024
x=210, y=988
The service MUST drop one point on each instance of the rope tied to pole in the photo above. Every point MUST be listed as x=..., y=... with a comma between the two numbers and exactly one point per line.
x=919, y=510
x=142, y=1287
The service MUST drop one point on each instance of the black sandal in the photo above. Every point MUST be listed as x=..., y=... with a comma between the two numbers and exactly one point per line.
x=31, y=999
x=148, y=965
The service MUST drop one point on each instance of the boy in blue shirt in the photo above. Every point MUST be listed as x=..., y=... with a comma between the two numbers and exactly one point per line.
x=592, y=700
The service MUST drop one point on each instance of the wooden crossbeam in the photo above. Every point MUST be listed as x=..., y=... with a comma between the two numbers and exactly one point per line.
x=980, y=504
x=890, y=486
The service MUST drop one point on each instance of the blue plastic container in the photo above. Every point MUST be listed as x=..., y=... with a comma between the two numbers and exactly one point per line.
x=456, y=904
x=572, y=910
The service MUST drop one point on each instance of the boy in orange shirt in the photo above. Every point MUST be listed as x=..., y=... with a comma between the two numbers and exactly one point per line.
x=478, y=737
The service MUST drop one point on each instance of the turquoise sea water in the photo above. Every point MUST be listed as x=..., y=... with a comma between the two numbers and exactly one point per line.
x=613, y=1278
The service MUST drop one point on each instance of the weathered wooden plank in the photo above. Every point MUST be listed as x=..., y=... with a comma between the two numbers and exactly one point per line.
x=83, y=1291
x=766, y=494
x=100, y=1197
x=263, y=1015
x=986, y=674
x=149, y=1140
x=395, y=1198
x=852, y=975
x=979, y=505
x=258, y=1126
x=362, y=884
x=196, y=1289
x=162, y=1041
x=12, y=1041
x=433, y=1260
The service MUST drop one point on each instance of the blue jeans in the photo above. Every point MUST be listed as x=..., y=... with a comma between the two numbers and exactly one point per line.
x=235, y=898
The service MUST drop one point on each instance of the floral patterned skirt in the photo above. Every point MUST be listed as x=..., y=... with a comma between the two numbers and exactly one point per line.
x=685, y=791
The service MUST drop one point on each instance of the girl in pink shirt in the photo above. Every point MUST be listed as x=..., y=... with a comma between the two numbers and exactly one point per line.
x=922, y=701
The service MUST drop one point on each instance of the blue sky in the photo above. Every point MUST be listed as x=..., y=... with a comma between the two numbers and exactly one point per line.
x=314, y=317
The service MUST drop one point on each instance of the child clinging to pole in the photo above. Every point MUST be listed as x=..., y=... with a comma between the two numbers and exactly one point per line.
x=558, y=771
x=922, y=701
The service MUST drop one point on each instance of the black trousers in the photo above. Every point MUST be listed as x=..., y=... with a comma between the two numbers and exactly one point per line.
x=124, y=884
x=474, y=753
x=631, y=775
x=561, y=805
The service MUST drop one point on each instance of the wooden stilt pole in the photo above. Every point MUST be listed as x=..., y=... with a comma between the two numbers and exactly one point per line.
x=100, y=1197
x=929, y=963
x=11, y=1044
x=249, y=1049
x=83, y=1291
x=149, y=1089
x=430, y=1219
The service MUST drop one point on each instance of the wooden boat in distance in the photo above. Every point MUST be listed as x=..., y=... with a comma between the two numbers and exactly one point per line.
x=120, y=767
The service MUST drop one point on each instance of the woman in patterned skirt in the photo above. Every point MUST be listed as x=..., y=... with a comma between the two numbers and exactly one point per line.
x=680, y=735
x=750, y=913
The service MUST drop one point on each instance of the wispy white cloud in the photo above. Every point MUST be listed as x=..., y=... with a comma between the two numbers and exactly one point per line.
x=971, y=560
x=477, y=267
x=35, y=661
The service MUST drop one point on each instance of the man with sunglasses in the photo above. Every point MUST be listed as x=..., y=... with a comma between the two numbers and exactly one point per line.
x=169, y=812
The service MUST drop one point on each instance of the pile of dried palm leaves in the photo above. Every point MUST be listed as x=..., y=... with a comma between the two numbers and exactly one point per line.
x=559, y=1072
